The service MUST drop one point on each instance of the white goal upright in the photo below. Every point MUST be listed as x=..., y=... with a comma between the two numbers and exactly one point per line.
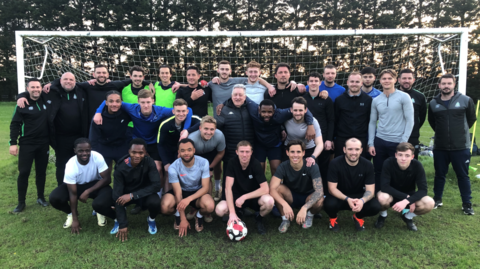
x=428, y=52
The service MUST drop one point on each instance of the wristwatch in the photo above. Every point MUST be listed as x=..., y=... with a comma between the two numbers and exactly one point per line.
x=313, y=156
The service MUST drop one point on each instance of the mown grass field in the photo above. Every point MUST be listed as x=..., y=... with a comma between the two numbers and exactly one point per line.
x=35, y=238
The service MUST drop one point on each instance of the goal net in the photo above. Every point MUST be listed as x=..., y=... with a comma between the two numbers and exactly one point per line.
x=428, y=52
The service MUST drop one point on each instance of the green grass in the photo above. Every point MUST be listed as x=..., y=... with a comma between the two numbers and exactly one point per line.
x=35, y=238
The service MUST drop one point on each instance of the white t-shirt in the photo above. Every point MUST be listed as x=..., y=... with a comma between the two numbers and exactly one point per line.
x=75, y=173
x=255, y=91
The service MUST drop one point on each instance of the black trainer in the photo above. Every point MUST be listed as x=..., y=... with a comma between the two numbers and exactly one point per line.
x=438, y=203
x=41, y=201
x=260, y=227
x=136, y=210
x=359, y=223
x=20, y=207
x=380, y=222
x=410, y=225
x=333, y=225
x=467, y=209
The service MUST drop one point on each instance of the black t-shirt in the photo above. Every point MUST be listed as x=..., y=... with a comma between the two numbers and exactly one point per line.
x=300, y=181
x=283, y=98
x=200, y=106
x=248, y=180
x=351, y=179
x=67, y=121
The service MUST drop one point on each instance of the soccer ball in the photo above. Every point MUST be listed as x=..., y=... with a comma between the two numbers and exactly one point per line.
x=237, y=231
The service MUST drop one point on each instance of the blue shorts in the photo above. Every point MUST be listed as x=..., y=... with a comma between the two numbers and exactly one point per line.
x=299, y=199
x=261, y=152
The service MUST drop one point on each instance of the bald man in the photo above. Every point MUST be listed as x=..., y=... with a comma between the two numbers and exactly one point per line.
x=69, y=118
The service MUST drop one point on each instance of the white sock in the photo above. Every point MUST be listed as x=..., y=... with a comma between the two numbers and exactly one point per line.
x=199, y=215
x=309, y=213
x=177, y=214
x=150, y=219
x=70, y=214
x=217, y=184
x=383, y=213
x=410, y=215
x=284, y=218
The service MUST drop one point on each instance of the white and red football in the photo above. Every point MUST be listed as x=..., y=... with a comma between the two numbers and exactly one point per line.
x=237, y=231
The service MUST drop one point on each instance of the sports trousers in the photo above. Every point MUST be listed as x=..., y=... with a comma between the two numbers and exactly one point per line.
x=383, y=150
x=332, y=205
x=26, y=155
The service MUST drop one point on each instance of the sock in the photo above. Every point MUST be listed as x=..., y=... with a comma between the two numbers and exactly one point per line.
x=284, y=218
x=199, y=215
x=383, y=213
x=410, y=215
x=70, y=214
x=405, y=211
x=309, y=213
x=217, y=184
x=150, y=219
x=177, y=214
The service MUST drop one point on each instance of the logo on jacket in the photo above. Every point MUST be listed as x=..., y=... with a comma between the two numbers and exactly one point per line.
x=362, y=104
x=413, y=100
x=250, y=176
x=437, y=106
x=457, y=104
x=49, y=102
x=44, y=107
x=121, y=121
x=30, y=108
x=74, y=96
x=230, y=113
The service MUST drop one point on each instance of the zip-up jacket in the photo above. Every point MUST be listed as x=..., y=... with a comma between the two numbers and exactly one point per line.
x=30, y=123
x=323, y=111
x=112, y=132
x=269, y=133
x=352, y=115
x=419, y=111
x=168, y=136
x=452, y=124
x=236, y=125
x=141, y=181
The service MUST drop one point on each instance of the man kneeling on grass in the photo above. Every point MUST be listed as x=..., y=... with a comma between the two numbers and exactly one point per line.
x=136, y=181
x=302, y=187
x=245, y=186
x=190, y=179
x=400, y=175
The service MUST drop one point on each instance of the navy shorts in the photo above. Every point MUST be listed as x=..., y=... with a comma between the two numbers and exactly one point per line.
x=152, y=150
x=299, y=199
x=261, y=152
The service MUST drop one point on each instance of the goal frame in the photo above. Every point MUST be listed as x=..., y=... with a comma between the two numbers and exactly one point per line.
x=463, y=32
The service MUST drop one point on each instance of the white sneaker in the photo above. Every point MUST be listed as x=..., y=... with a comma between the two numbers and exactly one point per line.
x=102, y=221
x=68, y=222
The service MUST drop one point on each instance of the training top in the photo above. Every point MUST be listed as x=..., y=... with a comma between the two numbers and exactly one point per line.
x=141, y=181
x=113, y=132
x=190, y=179
x=283, y=98
x=245, y=181
x=30, y=123
x=255, y=91
x=300, y=181
x=333, y=92
x=223, y=91
x=394, y=115
x=199, y=106
x=164, y=96
x=373, y=93
x=76, y=173
x=130, y=95
x=400, y=183
x=323, y=111
x=420, y=111
x=351, y=179
x=146, y=128
x=352, y=115
x=299, y=130
x=217, y=142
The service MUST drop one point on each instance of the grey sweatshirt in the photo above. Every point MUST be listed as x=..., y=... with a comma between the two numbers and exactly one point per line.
x=395, y=118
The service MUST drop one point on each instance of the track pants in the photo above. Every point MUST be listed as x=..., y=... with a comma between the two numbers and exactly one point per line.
x=26, y=155
x=332, y=205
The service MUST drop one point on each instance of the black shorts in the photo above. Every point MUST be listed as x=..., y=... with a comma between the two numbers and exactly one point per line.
x=395, y=200
x=261, y=152
x=152, y=150
x=185, y=194
x=299, y=199
x=250, y=203
x=209, y=155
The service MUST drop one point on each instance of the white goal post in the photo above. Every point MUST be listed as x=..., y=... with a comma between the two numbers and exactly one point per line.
x=307, y=50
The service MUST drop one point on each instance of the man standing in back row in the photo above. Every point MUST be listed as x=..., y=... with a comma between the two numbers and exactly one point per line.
x=451, y=115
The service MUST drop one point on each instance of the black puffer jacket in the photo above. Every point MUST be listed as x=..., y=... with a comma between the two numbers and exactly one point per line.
x=236, y=125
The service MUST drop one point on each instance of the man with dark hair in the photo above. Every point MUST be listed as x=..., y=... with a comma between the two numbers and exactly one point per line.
x=246, y=186
x=406, y=78
x=393, y=110
x=197, y=96
x=284, y=91
x=352, y=115
x=301, y=188
x=190, y=178
x=351, y=184
x=136, y=181
x=69, y=104
x=32, y=125
x=400, y=177
x=451, y=115
x=165, y=89
x=86, y=176
x=130, y=92
x=328, y=84
x=323, y=111
x=368, y=78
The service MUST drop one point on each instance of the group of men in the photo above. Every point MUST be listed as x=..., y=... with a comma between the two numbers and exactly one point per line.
x=319, y=140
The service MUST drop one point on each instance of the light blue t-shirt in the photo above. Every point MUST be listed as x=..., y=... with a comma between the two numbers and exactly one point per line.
x=190, y=178
x=374, y=92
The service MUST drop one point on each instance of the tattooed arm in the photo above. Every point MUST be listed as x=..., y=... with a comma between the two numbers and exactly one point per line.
x=316, y=196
